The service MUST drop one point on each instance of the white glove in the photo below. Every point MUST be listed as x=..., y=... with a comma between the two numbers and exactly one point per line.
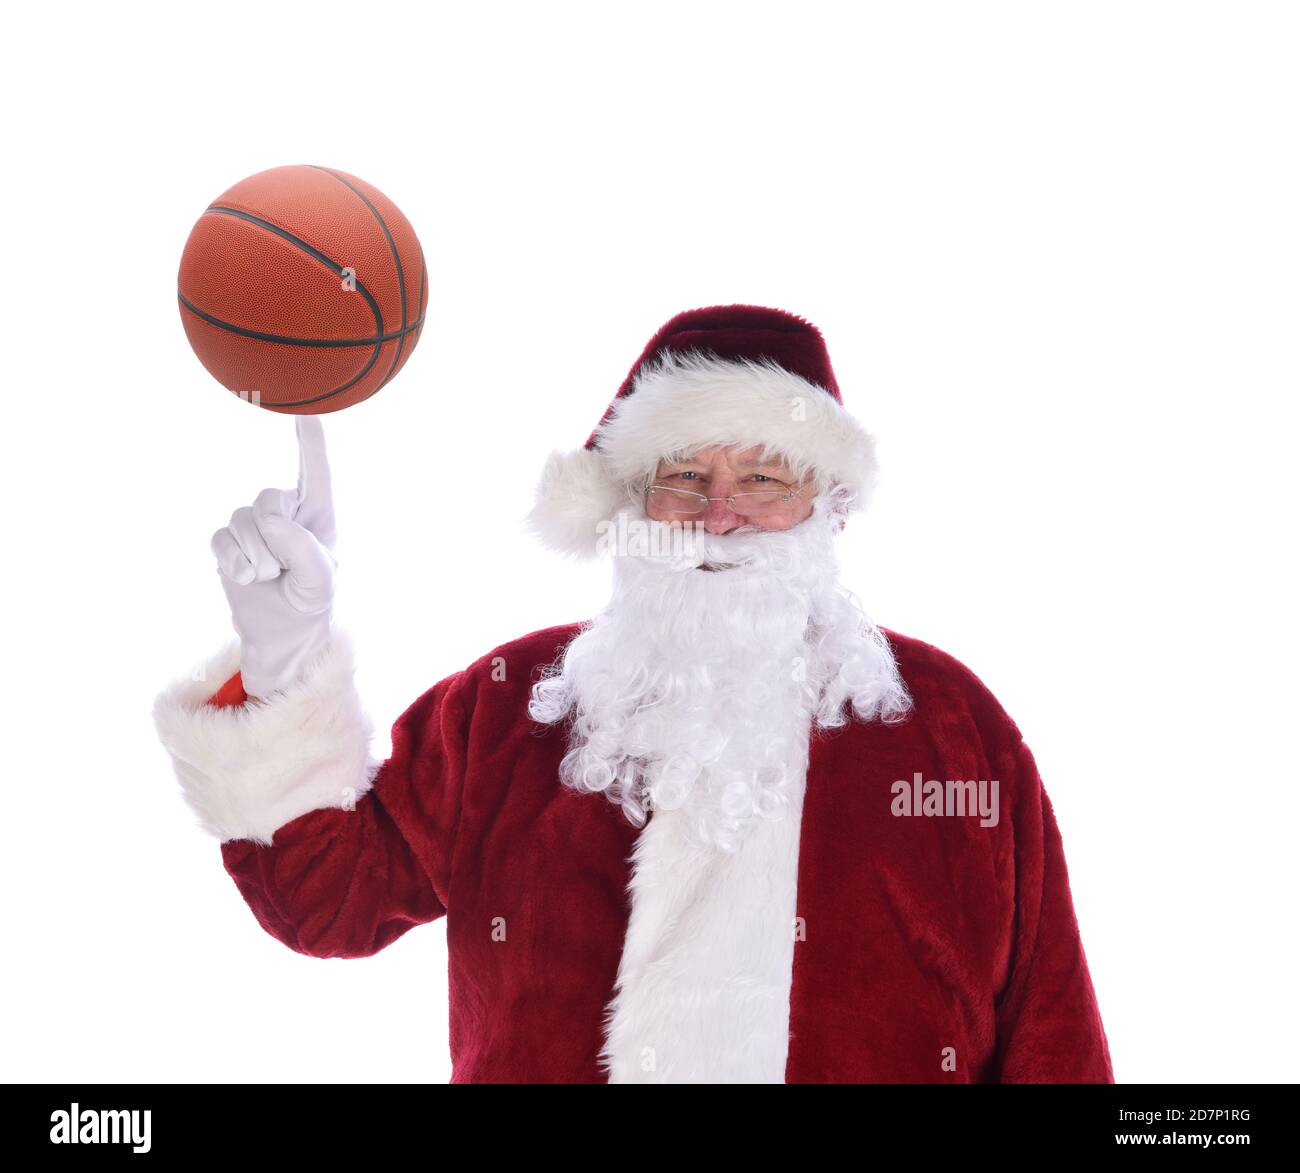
x=276, y=564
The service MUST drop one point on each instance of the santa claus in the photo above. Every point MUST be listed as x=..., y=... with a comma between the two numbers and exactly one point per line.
x=729, y=830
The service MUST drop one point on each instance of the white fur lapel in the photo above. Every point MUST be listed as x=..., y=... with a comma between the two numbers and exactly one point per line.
x=703, y=989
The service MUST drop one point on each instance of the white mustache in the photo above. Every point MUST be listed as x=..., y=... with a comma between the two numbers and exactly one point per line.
x=776, y=552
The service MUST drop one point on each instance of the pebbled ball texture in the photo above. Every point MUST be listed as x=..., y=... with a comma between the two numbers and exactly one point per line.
x=303, y=289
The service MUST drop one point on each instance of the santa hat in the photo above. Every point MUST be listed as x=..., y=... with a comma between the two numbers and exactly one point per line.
x=735, y=375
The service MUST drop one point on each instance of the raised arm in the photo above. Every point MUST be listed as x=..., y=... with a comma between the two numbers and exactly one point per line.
x=336, y=853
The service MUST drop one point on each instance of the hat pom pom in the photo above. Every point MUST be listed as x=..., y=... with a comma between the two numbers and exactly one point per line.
x=575, y=494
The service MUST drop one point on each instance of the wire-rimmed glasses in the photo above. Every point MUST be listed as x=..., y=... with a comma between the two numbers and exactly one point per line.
x=685, y=503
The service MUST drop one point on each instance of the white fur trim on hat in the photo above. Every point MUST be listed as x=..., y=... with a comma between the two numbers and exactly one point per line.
x=574, y=495
x=684, y=402
x=247, y=770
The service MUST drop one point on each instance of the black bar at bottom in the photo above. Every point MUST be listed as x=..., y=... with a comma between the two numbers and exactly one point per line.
x=90, y=1122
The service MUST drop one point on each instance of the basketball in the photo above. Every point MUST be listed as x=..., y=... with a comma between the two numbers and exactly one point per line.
x=302, y=289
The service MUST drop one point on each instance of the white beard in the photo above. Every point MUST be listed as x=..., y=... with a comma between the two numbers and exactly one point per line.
x=696, y=690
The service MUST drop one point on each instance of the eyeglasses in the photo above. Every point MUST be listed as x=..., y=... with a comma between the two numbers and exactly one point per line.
x=755, y=504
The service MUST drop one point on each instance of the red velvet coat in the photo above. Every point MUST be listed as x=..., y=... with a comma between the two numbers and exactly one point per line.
x=921, y=933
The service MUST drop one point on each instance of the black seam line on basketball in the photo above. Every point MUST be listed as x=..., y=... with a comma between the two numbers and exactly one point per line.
x=361, y=374
x=397, y=261
x=339, y=271
x=286, y=340
x=419, y=305
x=313, y=252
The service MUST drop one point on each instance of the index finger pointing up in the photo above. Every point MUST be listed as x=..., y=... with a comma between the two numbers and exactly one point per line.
x=315, y=510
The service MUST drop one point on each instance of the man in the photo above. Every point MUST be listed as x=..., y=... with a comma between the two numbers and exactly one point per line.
x=823, y=852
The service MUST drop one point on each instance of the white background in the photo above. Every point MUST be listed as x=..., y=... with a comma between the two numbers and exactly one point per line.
x=1054, y=251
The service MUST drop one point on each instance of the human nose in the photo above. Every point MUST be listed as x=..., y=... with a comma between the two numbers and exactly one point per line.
x=719, y=517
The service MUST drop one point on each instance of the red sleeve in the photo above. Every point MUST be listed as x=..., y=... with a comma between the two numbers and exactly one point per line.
x=230, y=693
x=345, y=883
x=1049, y=1025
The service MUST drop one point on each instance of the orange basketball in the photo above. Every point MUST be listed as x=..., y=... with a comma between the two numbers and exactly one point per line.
x=303, y=289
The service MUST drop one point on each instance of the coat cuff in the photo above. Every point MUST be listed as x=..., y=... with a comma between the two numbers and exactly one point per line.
x=250, y=769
